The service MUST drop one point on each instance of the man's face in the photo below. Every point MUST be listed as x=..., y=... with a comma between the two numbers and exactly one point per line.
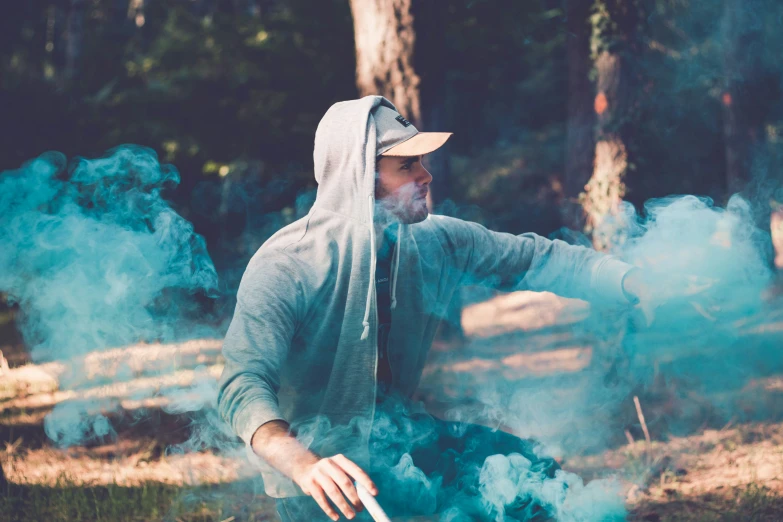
x=401, y=188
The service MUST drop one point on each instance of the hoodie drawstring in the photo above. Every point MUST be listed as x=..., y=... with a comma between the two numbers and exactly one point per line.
x=371, y=286
x=373, y=263
x=396, y=268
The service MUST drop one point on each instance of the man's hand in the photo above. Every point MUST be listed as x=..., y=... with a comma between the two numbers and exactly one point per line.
x=333, y=478
x=639, y=290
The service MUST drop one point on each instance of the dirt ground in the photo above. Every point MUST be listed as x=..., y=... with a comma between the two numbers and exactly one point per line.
x=734, y=472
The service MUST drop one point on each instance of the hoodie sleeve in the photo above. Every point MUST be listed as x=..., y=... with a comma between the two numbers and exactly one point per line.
x=531, y=262
x=257, y=345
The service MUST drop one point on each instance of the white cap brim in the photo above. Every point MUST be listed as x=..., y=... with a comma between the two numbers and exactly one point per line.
x=419, y=144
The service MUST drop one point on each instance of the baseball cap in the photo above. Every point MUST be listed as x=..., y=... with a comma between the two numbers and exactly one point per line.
x=396, y=136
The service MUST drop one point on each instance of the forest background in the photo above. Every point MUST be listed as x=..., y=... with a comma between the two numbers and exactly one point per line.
x=641, y=99
x=565, y=113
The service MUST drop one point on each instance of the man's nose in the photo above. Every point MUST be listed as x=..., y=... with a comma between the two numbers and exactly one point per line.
x=425, y=178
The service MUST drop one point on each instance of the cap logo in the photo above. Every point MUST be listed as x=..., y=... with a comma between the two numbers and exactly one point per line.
x=403, y=121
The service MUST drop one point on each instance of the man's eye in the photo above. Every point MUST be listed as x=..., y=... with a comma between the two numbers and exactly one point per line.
x=406, y=166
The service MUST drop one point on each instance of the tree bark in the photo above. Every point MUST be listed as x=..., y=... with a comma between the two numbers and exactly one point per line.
x=429, y=60
x=136, y=12
x=751, y=93
x=776, y=233
x=617, y=47
x=385, y=38
x=580, y=138
x=73, y=40
x=743, y=97
x=388, y=56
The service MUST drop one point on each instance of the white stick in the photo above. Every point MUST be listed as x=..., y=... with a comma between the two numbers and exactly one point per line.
x=641, y=419
x=371, y=505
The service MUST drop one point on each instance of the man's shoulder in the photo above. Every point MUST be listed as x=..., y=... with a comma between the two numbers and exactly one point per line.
x=446, y=226
x=451, y=233
x=273, y=273
x=269, y=262
x=440, y=224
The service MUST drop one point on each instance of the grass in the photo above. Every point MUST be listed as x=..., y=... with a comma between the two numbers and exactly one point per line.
x=679, y=480
x=754, y=503
x=155, y=501
x=148, y=502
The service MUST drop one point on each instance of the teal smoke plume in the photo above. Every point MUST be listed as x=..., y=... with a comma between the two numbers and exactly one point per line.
x=96, y=258
x=94, y=255
x=712, y=337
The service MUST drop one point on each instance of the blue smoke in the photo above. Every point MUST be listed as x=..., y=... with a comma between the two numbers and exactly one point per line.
x=97, y=258
x=94, y=255
x=711, y=275
x=694, y=365
x=504, y=478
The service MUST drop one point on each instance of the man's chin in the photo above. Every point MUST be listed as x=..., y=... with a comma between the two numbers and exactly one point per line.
x=406, y=216
x=416, y=216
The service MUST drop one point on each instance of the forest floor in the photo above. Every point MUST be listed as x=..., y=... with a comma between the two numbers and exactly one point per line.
x=727, y=473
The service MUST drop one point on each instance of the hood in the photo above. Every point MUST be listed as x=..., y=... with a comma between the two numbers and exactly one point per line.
x=344, y=158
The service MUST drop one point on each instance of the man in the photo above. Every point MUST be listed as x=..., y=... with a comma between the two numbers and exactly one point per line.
x=337, y=311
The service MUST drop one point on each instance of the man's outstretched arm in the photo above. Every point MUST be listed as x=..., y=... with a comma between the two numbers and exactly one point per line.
x=531, y=262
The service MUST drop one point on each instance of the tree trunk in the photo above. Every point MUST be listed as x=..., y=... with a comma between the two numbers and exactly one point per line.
x=580, y=139
x=385, y=39
x=387, y=58
x=3, y=481
x=743, y=97
x=430, y=60
x=776, y=232
x=752, y=92
x=617, y=48
x=74, y=38
x=136, y=12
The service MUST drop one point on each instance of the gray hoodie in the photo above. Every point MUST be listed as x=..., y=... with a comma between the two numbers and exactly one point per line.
x=302, y=344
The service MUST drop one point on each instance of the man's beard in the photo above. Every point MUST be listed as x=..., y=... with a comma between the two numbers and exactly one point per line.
x=407, y=206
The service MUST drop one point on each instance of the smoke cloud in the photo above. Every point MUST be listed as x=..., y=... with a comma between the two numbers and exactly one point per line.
x=96, y=258
x=697, y=364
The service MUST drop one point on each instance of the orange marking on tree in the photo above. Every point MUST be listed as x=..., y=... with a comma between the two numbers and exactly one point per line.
x=726, y=98
x=601, y=103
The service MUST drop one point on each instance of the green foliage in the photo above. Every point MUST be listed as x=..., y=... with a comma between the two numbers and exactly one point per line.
x=219, y=93
x=233, y=98
x=507, y=71
x=200, y=89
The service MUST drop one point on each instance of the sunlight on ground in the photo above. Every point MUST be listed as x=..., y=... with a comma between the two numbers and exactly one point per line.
x=83, y=467
x=136, y=380
x=521, y=311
